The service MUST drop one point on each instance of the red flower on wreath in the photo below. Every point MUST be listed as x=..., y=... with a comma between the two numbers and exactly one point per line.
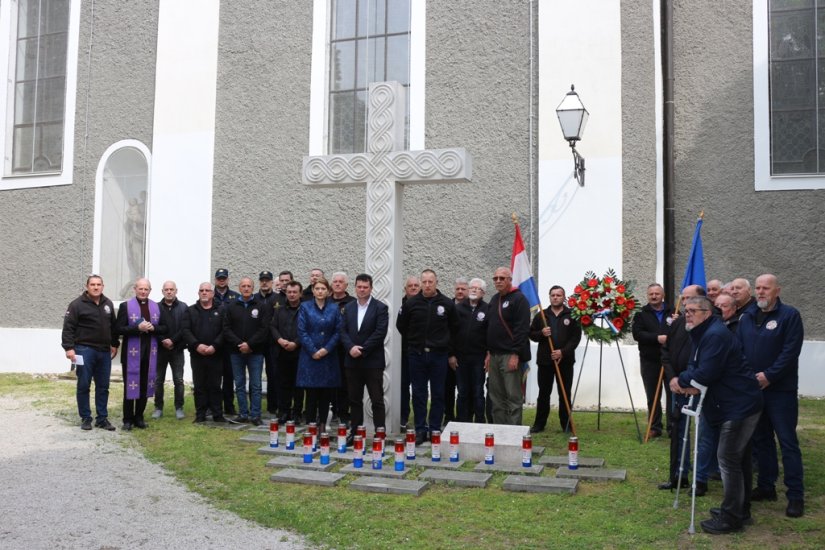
x=620, y=289
x=582, y=305
x=630, y=304
x=620, y=300
x=592, y=283
x=585, y=295
x=578, y=289
x=586, y=320
x=571, y=302
x=607, y=296
x=618, y=323
x=607, y=280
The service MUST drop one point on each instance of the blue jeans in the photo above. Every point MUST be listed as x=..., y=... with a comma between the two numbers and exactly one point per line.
x=254, y=362
x=735, y=464
x=97, y=365
x=779, y=417
x=470, y=376
x=428, y=367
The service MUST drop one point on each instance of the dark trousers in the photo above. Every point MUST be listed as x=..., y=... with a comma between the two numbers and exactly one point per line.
x=735, y=464
x=207, y=371
x=650, y=371
x=318, y=400
x=133, y=409
x=340, y=399
x=546, y=376
x=678, y=422
x=173, y=358
x=779, y=417
x=405, y=388
x=450, y=386
x=470, y=376
x=428, y=368
x=228, y=384
x=290, y=398
x=271, y=370
x=373, y=379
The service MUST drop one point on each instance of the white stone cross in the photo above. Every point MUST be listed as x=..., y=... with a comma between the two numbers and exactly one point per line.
x=384, y=168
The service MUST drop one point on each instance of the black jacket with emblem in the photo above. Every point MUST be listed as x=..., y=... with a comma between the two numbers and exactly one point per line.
x=471, y=338
x=429, y=323
x=90, y=324
x=246, y=322
x=202, y=326
x=508, y=326
x=566, y=335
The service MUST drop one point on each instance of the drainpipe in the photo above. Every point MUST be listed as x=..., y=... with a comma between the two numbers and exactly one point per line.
x=667, y=150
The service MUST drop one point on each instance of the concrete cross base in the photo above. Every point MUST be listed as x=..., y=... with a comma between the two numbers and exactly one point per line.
x=561, y=462
x=534, y=470
x=367, y=470
x=462, y=479
x=298, y=463
x=386, y=485
x=508, y=441
x=523, y=484
x=593, y=474
x=306, y=477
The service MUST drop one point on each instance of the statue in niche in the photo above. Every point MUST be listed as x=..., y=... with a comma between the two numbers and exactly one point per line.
x=134, y=236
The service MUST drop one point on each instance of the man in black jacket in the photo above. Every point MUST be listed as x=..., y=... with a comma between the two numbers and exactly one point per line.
x=508, y=346
x=90, y=341
x=201, y=332
x=245, y=334
x=650, y=331
x=566, y=334
x=170, y=351
x=429, y=324
x=225, y=295
x=471, y=349
x=284, y=331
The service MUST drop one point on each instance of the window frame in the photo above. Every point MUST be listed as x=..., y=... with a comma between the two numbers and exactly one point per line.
x=320, y=70
x=8, y=52
x=763, y=179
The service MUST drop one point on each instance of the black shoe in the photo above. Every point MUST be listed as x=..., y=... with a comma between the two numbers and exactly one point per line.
x=199, y=419
x=86, y=424
x=106, y=425
x=718, y=526
x=655, y=433
x=127, y=426
x=219, y=419
x=795, y=509
x=536, y=429
x=242, y=419
x=701, y=488
x=717, y=512
x=420, y=437
x=670, y=485
x=256, y=421
x=139, y=423
x=762, y=495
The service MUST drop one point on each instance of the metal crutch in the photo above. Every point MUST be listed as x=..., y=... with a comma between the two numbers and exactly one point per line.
x=697, y=414
x=687, y=407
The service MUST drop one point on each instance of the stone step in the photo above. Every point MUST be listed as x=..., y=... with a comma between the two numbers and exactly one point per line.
x=561, y=462
x=367, y=470
x=462, y=479
x=307, y=477
x=540, y=484
x=387, y=485
x=593, y=474
x=298, y=462
x=534, y=470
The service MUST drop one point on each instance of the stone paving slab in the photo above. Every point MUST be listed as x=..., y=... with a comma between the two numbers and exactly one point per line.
x=307, y=477
x=295, y=462
x=282, y=450
x=463, y=479
x=538, y=450
x=593, y=474
x=225, y=425
x=255, y=438
x=387, y=485
x=443, y=465
x=561, y=462
x=540, y=484
x=534, y=470
x=386, y=471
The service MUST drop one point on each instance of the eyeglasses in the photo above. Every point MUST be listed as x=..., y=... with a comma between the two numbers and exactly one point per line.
x=500, y=278
x=693, y=310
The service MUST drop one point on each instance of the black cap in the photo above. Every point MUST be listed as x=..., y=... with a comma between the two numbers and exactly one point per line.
x=265, y=275
x=222, y=273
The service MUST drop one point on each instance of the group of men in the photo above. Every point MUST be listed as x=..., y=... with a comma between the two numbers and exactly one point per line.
x=745, y=349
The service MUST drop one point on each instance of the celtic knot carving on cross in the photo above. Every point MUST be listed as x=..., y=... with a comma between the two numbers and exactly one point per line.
x=384, y=168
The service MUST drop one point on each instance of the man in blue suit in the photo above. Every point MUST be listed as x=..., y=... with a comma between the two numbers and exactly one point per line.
x=363, y=331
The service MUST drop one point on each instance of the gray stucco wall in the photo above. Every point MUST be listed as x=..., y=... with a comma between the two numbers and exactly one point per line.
x=477, y=97
x=51, y=247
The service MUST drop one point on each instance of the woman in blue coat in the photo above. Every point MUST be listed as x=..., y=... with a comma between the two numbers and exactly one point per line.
x=319, y=321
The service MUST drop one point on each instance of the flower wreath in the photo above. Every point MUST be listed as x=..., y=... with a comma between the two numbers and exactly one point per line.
x=607, y=298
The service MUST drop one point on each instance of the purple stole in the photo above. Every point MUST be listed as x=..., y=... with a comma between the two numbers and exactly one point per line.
x=133, y=350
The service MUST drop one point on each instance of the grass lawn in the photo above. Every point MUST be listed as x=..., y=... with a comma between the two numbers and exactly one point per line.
x=630, y=514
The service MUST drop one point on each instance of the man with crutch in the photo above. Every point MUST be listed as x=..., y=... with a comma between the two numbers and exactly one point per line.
x=733, y=403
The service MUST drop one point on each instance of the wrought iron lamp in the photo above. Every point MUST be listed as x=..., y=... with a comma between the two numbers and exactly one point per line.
x=573, y=118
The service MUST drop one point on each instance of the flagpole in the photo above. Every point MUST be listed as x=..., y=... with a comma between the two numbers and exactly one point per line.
x=662, y=371
x=559, y=377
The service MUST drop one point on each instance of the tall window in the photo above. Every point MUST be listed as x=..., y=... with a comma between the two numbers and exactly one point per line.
x=797, y=86
x=38, y=78
x=369, y=42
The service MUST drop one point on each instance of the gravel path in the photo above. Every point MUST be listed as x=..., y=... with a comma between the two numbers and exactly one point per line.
x=61, y=487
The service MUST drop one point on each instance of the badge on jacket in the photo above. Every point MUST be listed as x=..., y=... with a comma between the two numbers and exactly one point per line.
x=772, y=324
x=254, y=313
x=440, y=311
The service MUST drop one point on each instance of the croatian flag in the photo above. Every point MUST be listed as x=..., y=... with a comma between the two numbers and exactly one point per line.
x=523, y=274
